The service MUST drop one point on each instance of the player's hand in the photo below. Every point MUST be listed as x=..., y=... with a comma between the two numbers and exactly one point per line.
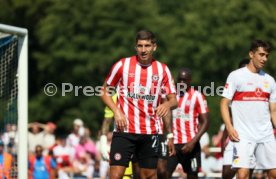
x=120, y=120
x=188, y=147
x=104, y=148
x=171, y=148
x=162, y=110
x=233, y=134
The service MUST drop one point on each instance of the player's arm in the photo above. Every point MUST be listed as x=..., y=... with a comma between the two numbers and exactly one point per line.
x=225, y=114
x=171, y=103
x=204, y=121
x=167, y=120
x=168, y=127
x=225, y=136
x=120, y=119
x=106, y=125
x=223, y=140
x=273, y=113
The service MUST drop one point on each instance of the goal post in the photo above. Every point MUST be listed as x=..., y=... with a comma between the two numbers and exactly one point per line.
x=22, y=95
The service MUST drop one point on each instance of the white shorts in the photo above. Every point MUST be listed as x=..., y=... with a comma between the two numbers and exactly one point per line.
x=254, y=155
x=228, y=154
x=104, y=168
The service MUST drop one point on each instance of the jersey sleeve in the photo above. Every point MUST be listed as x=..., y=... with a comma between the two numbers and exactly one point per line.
x=168, y=82
x=272, y=98
x=108, y=113
x=202, y=106
x=115, y=74
x=230, y=87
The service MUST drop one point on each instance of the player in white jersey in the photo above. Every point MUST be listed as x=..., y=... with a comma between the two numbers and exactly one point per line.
x=190, y=121
x=252, y=94
x=139, y=80
x=227, y=145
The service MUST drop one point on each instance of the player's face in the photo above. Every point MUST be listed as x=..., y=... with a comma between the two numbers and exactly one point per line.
x=145, y=49
x=259, y=57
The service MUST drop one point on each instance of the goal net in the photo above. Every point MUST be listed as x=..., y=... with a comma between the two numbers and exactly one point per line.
x=13, y=102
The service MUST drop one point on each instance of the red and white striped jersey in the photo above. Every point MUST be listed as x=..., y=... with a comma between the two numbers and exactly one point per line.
x=251, y=94
x=185, y=117
x=139, y=91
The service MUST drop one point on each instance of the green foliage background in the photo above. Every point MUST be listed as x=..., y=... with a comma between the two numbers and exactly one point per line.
x=78, y=41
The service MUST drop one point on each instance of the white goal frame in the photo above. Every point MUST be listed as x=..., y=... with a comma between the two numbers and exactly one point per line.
x=22, y=121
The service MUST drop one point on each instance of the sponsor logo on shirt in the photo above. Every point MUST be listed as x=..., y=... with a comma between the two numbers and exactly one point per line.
x=181, y=115
x=147, y=97
x=140, y=92
x=258, y=92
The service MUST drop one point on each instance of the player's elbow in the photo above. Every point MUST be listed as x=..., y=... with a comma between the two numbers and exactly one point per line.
x=224, y=103
x=174, y=104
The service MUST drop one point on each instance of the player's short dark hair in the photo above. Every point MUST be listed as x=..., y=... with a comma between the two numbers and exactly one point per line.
x=244, y=62
x=260, y=43
x=145, y=35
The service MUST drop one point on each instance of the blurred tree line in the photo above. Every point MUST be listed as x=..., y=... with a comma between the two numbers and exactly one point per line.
x=78, y=41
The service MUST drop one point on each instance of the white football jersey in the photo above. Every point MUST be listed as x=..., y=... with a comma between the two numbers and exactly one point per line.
x=251, y=94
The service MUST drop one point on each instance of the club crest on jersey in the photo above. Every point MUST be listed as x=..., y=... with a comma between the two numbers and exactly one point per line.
x=117, y=156
x=266, y=84
x=155, y=78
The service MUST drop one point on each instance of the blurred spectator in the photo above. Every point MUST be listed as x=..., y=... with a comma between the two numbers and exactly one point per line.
x=74, y=138
x=61, y=152
x=10, y=137
x=35, y=136
x=48, y=136
x=216, y=139
x=83, y=166
x=42, y=134
x=85, y=146
x=91, y=144
x=5, y=137
x=5, y=162
x=104, y=165
x=209, y=163
x=40, y=166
